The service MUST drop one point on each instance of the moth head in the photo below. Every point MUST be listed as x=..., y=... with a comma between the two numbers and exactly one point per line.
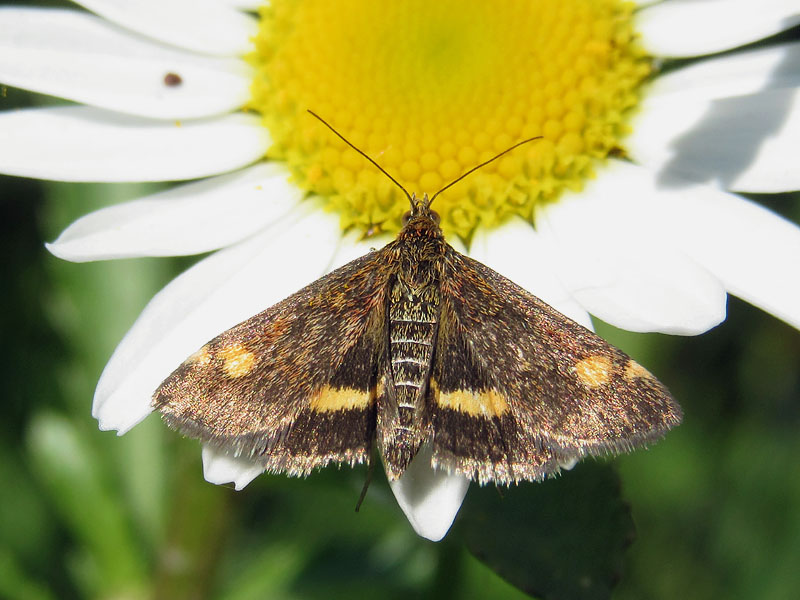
x=420, y=210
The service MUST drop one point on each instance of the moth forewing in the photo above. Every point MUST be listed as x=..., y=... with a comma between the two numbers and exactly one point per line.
x=294, y=387
x=538, y=389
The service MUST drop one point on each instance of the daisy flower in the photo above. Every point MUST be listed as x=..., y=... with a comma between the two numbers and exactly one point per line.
x=626, y=210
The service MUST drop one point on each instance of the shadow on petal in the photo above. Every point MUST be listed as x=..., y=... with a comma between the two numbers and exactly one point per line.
x=725, y=144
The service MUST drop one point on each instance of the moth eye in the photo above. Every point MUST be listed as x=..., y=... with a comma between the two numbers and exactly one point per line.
x=435, y=216
x=407, y=218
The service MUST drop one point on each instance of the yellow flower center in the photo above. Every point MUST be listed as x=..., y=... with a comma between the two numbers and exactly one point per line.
x=429, y=89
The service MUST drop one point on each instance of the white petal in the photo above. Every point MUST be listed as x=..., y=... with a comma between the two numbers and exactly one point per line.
x=220, y=468
x=250, y=5
x=430, y=498
x=85, y=59
x=188, y=219
x=568, y=465
x=352, y=246
x=215, y=294
x=80, y=143
x=692, y=28
x=515, y=251
x=204, y=26
x=745, y=143
x=620, y=261
x=456, y=243
x=736, y=74
x=754, y=252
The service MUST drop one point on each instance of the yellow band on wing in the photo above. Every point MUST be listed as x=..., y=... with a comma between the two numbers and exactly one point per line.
x=330, y=399
x=486, y=403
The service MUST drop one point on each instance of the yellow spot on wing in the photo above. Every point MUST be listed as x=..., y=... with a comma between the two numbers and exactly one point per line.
x=486, y=403
x=330, y=399
x=237, y=361
x=201, y=358
x=594, y=371
x=634, y=370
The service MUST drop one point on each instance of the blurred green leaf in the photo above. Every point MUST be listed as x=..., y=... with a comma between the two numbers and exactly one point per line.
x=25, y=528
x=72, y=473
x=562, y=539
x=269, y=573
x=196, y=531
x=143, y=463
x=15, y=584
x=307, y=541
x=478, y=581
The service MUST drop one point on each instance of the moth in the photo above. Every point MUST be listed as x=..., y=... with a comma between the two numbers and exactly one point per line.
x=415, y=344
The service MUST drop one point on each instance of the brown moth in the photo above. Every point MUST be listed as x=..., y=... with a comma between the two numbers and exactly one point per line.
x=409, y=345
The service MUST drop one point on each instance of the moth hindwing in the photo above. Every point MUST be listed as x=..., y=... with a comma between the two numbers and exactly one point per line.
x=415, y=344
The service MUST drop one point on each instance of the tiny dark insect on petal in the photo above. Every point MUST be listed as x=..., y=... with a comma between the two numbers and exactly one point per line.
x=172, y=80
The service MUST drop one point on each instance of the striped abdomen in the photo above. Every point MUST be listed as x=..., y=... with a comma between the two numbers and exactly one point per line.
x=413, y=320
x=412, y=329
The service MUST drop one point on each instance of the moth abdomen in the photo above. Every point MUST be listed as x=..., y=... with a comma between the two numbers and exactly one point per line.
x=413, y=316
x=410, y=360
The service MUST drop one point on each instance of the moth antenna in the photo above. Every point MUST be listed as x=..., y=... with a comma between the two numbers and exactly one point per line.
x=483, y=164
x=362, y=153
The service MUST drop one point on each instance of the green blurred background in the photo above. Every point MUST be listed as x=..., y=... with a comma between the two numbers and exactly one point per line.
x=87, y=514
